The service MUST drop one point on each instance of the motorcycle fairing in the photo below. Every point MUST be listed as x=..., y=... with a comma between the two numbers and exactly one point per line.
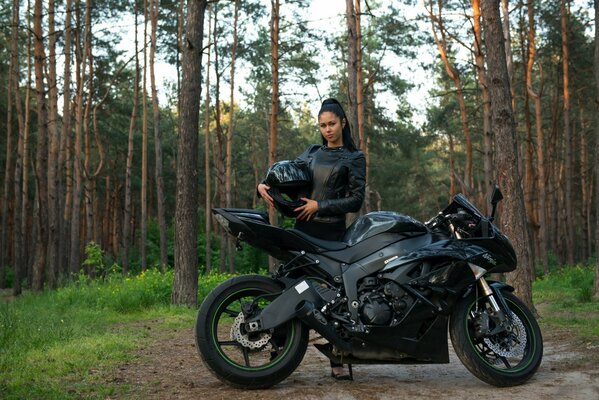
x=476, y=251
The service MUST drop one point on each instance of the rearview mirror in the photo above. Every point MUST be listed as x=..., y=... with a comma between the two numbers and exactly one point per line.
x=496, y=197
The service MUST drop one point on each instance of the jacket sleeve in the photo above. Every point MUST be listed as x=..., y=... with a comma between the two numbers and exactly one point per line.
x=355, y=190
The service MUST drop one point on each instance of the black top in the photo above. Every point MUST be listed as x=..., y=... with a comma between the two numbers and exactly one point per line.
x=338, y=181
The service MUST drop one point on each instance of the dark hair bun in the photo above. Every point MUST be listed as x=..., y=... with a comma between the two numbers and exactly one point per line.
x=331, y=101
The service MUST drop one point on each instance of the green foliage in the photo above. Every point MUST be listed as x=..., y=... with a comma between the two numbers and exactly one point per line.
x=94, y=256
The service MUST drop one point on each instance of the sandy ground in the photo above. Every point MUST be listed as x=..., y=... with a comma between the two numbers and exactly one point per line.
x=172, y=369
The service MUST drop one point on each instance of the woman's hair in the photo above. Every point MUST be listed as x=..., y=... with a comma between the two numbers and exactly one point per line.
x=332, y=105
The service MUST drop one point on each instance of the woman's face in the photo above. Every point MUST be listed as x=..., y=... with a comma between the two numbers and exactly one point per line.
x=331, y=128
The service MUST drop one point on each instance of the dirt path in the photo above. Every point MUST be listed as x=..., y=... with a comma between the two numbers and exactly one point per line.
x=172, y=369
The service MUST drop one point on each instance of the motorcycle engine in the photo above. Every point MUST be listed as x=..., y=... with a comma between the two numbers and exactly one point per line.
x=382, y=303
x=375, y=309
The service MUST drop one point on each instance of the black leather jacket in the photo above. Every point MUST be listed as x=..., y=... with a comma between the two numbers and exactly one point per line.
x=338, y=181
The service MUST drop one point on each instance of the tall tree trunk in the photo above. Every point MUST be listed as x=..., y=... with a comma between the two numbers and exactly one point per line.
x=274, y=102
x=596, y=70
x=207, y=170
x=13, y=86
x=144, y=148
x=360, y=102
x=482, y=83
x=21, y=268
x=80, y=56
x=229, y=161
x=586, y=182
x=129, y=166
x=65, y=159
x=185, y=285
x=452, y=72
x=570, y=222
x=53, y=148
x=359, y=80
x=513, y=219
x=157, y=141
x=9, y=172
x=540, y=136
x=220, y=148
x=41, y=162
x=508, y=48
x=585, y=188
x=352, y=66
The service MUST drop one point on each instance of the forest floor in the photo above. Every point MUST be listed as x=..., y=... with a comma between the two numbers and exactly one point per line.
x=169, y=367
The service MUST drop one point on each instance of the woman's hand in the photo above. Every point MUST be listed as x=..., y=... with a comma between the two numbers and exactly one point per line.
x=307, y=211
x=263, y=190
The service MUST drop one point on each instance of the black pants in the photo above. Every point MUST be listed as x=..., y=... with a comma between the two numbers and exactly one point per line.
x=324, y=231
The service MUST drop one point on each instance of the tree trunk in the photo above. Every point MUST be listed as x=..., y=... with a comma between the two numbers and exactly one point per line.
x=570, y=221
x=21, y=268
x=540, y=150
x=53, y=148
x=220, y=148
x=144, y=148
x=157, y=141
x=65, y=159
x=229, y=152
x=452, y=72
x=508, y=48
x=127, y=218
x=596, y=70
x=41, y=162
x=360, y=102
x=352, y=66
x=207, y=170
x=513, y=219
x=75, y=256
x=585, y=188
x=482, y=83
x=185, y=285
x=274, y=103
x=9, y=173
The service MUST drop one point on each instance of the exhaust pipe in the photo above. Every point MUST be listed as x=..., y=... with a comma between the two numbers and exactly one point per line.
x=309, y=315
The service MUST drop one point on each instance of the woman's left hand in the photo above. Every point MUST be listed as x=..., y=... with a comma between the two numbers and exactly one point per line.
x=307, y=211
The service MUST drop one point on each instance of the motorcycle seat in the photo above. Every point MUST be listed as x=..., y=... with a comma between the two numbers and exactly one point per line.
x=328, y=245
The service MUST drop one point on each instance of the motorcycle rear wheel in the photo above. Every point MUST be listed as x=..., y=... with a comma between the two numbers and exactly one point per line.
x=248, y=361
x=504, y=359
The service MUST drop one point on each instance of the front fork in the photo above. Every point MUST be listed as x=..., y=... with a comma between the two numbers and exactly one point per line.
x=497, y=311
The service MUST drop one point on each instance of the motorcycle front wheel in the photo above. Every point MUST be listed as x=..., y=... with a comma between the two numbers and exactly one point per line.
x=241, y=359
x=508, y=358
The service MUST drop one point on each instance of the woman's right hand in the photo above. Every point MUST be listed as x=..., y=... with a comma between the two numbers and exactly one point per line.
x=263, y=190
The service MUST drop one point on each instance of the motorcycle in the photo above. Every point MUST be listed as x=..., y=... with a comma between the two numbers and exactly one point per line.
x=389, y=293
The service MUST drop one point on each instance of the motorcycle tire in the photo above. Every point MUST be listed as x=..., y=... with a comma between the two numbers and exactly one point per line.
x=248, y=361
x=504, y=359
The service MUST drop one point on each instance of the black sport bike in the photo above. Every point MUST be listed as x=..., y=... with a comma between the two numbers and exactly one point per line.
x=387, y=294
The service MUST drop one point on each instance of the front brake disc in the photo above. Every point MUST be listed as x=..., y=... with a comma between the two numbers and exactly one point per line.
x=509, y=344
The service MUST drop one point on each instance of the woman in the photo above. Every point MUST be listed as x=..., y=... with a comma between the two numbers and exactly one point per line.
x=338, y=172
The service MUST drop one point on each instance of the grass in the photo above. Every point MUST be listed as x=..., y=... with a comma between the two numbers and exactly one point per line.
x=565, y=298
x=64, y=344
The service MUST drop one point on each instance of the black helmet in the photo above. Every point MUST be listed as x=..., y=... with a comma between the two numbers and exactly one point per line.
x=289, y=181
